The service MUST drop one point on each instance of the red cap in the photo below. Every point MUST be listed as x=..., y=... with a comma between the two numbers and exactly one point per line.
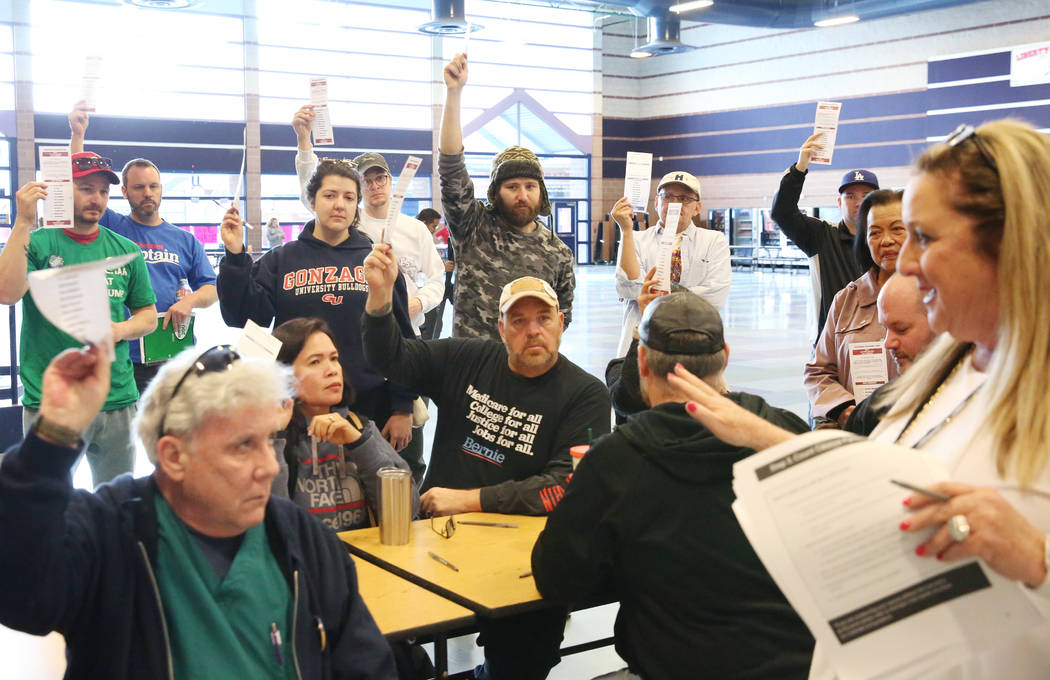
x=103, y=165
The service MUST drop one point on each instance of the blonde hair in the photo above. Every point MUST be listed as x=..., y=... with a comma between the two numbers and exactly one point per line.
x=1009, y=210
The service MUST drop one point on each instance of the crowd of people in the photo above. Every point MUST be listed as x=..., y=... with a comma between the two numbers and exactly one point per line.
x=224, y=562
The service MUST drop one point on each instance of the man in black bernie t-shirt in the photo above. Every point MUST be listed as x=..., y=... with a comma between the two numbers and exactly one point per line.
x=507, y=414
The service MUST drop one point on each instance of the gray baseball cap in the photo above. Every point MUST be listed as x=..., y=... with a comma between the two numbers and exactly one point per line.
x=370, y=160
x=671, y=324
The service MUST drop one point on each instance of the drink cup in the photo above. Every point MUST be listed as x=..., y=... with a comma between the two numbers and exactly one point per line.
x=395, y=505
x=577, y=453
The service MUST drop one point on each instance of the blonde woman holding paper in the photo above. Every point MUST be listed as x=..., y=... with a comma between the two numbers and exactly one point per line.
x=978, y=244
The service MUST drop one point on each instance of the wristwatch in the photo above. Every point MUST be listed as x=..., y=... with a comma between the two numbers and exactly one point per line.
x=56, y=433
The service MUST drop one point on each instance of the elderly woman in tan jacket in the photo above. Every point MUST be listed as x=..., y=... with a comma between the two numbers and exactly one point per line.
x=853, y=317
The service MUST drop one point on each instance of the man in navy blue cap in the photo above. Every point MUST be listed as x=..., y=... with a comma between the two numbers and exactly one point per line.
x=830, y=245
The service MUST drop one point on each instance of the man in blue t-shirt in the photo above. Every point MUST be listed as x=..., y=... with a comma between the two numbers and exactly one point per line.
x=172, y=255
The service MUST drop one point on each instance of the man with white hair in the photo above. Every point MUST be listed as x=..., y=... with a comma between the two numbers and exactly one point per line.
x=194, y=571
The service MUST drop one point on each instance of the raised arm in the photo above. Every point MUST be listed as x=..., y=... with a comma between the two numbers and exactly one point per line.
x=14, y=257
x=246, y=289
x=79, y=118
x=451, y=128
x=802, y=229
x=305, y=158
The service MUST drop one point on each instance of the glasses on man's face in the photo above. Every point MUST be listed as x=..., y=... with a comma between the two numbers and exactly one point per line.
x=214, y=360
x=379, y=181
x=964, y=132
x=676, y=198
x=88, y=162
x=445, y=531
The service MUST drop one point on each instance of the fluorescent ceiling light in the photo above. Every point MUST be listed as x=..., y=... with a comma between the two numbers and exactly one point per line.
x=837, y=21
x=640, y=54
x=688, y=6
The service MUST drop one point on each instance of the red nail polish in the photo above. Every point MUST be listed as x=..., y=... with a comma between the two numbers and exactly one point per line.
x=691, y=407
x=907, y=501
x=905, y=525
x=920, y=550
x=940, y=557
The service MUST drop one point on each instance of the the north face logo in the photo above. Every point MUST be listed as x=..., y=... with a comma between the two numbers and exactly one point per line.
x=859, y=176
x=332, y=299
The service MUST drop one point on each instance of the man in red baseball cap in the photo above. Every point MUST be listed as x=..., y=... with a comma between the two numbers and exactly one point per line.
x=110, y=451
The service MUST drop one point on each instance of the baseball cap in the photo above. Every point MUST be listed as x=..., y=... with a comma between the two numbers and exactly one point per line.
x=526, y=286
x=681, y=323
x=86, y=163
x=859, y=176
x=680, y=177
x=370, y=160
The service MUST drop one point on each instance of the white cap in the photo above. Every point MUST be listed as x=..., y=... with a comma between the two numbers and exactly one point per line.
x=680, y=177
x=527, y=286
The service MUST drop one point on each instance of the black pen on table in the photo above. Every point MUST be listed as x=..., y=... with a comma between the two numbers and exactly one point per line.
x=936, y=495
x=443, y=561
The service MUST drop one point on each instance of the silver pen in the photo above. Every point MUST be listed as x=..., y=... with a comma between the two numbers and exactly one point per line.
x=936, y=495
x=443, y=561
x=505, y=525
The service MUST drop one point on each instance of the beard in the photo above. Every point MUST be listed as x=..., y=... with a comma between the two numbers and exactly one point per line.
x=144, y=210
x=520, y=215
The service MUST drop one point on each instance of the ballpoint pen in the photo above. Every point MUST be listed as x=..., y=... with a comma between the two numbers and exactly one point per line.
x=443, y=561
x=925, y=492
x=505, y=525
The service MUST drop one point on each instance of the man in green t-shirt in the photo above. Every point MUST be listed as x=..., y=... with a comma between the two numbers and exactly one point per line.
x=110, y=451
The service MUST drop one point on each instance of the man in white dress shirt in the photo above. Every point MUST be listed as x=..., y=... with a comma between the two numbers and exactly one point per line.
x=699, y=258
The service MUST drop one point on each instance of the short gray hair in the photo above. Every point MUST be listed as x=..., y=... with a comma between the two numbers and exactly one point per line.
x=248, y=382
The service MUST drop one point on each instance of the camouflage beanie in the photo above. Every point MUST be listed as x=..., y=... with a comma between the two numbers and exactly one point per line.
x=517, y=161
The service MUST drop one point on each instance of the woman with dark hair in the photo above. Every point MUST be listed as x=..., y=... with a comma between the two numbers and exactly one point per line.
x=852, y=317
x=320, y=274
x=331, y=454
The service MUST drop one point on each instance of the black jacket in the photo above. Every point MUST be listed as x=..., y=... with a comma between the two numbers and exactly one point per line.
x=831, y=243
x=647, y=521
x=308, y=277
x=84, y=564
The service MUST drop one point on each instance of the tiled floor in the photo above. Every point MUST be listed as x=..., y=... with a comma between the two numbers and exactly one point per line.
x=768, y=320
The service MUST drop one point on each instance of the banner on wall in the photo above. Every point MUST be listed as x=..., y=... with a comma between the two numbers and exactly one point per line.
x=1030, y=64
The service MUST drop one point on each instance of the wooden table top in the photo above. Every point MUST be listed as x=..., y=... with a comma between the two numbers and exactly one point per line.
x=402, y=609
x=491, y=560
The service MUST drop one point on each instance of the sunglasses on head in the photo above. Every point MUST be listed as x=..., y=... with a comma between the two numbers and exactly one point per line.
x=89, y=162
x=965, y=132
x=214, y=360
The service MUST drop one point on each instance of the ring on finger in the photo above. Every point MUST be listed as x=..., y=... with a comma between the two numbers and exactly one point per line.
x=958, y=528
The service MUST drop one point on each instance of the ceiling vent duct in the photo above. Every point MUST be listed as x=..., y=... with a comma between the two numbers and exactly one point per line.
x=665, y=37
x=448, y=18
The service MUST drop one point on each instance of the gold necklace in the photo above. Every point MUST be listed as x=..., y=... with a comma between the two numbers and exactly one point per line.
x=915, y=416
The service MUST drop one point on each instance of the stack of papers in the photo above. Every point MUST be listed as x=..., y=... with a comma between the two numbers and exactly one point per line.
x=822, y=514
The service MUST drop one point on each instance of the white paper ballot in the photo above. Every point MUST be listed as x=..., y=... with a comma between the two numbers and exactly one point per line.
x=826, y=123
x=867, y=367
x=667, y=238
x=823, y=517
x=256, y=343
x=636, y=179
x=89, y=83
x=404, y=183
x=75, y=299
x=322, y=125
x=56, y=171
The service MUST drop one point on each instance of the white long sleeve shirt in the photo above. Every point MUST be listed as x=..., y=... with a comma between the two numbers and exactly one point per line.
x=411, y=241
x=706, y=271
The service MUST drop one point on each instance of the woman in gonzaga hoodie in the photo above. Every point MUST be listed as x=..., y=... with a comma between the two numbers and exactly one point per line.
x=320, y=274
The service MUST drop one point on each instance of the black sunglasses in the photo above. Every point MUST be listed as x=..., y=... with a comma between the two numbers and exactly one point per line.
x=88, y=162
x=214, y=360
x=964, y=132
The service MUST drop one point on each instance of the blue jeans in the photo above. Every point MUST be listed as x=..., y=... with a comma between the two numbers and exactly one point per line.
x=110, y=448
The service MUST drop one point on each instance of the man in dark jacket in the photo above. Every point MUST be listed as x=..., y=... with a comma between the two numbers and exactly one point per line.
x=829, y=245
x=194, y=571
x=647, y=520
